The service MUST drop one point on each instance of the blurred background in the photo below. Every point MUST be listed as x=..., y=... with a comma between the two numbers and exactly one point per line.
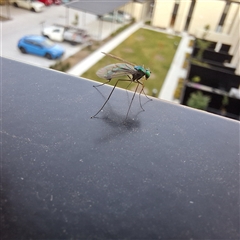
x=191, y=47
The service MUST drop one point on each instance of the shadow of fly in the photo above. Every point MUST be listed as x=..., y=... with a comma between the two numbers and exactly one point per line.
x=135, y=73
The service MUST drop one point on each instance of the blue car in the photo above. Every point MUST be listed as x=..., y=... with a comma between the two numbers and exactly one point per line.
x=40, y=46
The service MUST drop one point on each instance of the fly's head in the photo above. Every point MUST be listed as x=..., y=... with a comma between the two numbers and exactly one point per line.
x=147, y=73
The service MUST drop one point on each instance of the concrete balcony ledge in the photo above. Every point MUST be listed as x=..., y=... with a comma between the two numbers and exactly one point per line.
x=169, y=172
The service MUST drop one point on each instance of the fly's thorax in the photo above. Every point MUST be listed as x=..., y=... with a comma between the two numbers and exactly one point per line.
x=146, y=72
x=140, y=68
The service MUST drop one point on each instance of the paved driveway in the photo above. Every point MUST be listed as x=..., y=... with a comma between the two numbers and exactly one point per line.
x=25, y=22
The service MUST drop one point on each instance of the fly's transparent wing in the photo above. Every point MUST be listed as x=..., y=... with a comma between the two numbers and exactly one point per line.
x=115, y=70
x=118, y=58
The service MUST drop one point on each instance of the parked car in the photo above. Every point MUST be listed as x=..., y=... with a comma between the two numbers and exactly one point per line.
x=32, y=5
x=41, y=46
x=125, y=15
x=57, y=2
x=46, y=2
x=61, y=33
x=113, y=16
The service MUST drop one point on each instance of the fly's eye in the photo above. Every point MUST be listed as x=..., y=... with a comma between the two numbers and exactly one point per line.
x=147, y=73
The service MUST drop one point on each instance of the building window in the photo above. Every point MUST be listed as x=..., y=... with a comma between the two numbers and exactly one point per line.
x=223, y=17
x=174, y=14
x=189, y=15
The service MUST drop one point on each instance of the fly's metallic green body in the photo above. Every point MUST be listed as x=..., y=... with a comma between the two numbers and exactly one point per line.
x=134, y=72
x=146, y=72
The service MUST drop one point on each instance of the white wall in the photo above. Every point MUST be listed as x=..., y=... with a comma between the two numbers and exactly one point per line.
x=206, y=13
x=136, y=10
x=162, y=13
x=233, y=12
x=182, y=15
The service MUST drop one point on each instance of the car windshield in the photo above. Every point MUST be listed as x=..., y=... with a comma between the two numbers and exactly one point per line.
x=47, y=43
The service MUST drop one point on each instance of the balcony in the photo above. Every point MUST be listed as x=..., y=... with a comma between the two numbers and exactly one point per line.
x=215, y=80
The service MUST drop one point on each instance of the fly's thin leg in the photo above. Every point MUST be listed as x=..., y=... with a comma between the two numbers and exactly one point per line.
x=105, y=101
x=130, y=81
x=140, y=96
x=132, y=100
x=108, y=97
x=99, y=85
x=140, y=100
x=142, y=90
x=145, y=94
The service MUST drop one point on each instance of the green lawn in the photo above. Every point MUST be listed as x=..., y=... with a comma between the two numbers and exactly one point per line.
x=151, y=49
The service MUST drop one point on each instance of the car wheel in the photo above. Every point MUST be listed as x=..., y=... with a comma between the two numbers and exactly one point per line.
x=23, y=50
x=15, y=5
x=33, y=10
x=48, y=56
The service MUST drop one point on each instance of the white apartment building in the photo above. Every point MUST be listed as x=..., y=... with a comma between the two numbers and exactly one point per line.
x=192, y=16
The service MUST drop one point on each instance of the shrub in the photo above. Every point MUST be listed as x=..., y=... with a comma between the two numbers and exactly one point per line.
x=198, y=100
x=61, y=66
